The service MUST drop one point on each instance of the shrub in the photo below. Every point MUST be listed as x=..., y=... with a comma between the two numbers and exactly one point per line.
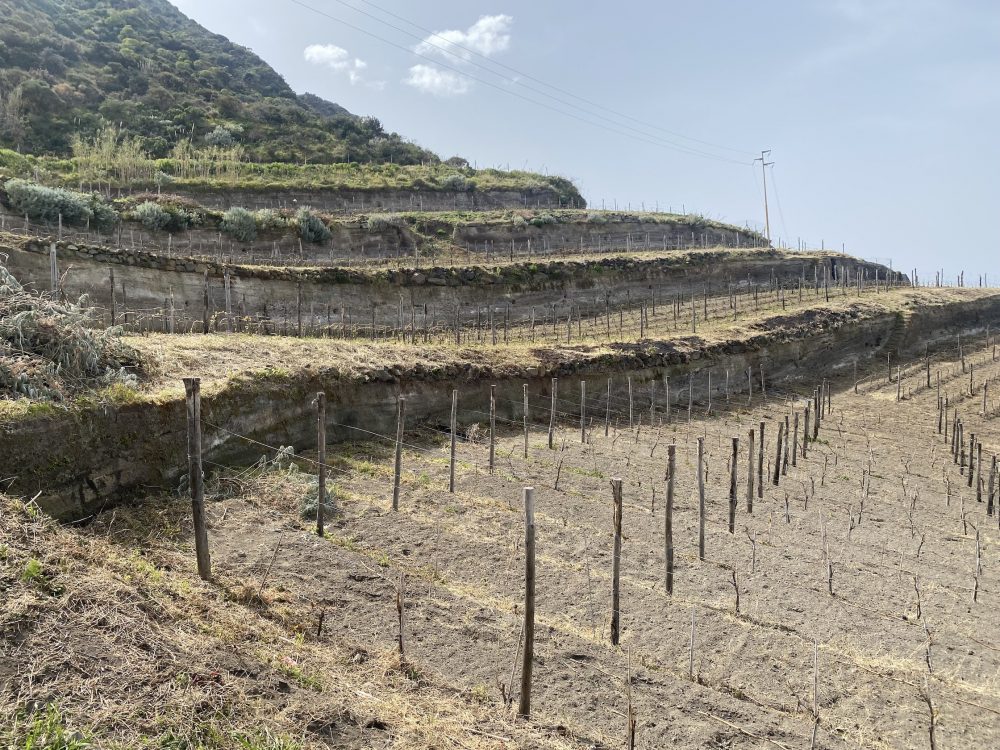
x=311, y=227
x=104, y=216
x=240, y=224
x=268, y=219
x=597, y=218
x=152, y=215
x=543, y=219
x=379, y=222
x=455, y=182
x=46, y=204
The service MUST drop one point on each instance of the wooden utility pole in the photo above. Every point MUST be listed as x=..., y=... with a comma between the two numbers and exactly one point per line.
x=763, y=171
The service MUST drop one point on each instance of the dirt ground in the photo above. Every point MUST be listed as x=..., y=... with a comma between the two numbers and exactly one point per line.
x=877, y=659
x=878, y=498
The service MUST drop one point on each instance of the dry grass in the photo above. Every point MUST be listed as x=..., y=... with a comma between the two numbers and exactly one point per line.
x=222, y=360
x=110, y=637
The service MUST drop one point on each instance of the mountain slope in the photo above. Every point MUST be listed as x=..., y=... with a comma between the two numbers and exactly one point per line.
x=70, y=66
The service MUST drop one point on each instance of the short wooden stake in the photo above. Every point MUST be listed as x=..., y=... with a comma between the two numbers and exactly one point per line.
x=750, y=471
x=583, y=411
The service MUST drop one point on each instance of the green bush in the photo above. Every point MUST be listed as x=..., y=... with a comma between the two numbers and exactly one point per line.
x=311, y=227
x=239, y=224
x=104, y=216
x=151, y=215
x=455, y=182
x=47, y=204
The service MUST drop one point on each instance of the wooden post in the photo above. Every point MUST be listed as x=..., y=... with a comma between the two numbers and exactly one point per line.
x=805, y=432
x=583, y=411
x=701, y=498
x=552, y=414
x=750, y=467
x=760, y=464
x=795, y=440
x=528, y=653
x=979, y=472
x=631, y=423
x=454, y=436
x=192, y=388
x=992, y=487
x=690, y=394
x=525, y=396
x=400, y=417
x=493, y=427
x=205, y=305
x=616, y=554
x=321, y=458
x=668, y=521
x=777, y=459
x=111, y=272
x=733, y=479
x=607, y=411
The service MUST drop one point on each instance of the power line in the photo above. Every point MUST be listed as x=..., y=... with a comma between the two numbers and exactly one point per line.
x=520, y=73
x=764, y=163
x=643, y=138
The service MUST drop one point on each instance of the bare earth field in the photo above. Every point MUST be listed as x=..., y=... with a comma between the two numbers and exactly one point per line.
x=900, y=639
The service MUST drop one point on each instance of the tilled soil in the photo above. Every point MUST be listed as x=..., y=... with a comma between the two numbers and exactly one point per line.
x=878, y=498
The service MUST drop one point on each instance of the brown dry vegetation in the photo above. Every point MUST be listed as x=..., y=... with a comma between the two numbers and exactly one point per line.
x=221, y=358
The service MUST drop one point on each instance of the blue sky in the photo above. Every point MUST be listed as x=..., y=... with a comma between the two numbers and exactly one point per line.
x=881, y=115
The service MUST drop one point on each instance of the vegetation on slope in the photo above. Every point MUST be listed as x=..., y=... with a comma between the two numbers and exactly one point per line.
x=50, y=348
x=70, y=66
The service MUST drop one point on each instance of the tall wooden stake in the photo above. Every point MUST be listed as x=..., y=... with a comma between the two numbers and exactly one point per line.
x=192, y=388
x=454, y=438
x=400, y=416
x=668, y=521
x=616, y=555
x=528, y=653
x=321, y=459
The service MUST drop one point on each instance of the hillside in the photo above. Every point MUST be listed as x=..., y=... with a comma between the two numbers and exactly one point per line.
x=69, y=67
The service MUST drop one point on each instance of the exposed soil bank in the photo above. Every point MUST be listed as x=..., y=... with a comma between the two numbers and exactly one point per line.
x=84, y=458
x=147, y=280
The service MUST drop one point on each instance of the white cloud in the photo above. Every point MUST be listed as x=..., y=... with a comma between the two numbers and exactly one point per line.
x=432, y=80
x=488, y=36
x=339, y=59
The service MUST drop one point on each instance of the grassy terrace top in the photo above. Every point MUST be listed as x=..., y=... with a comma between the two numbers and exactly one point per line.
x=220, y=171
